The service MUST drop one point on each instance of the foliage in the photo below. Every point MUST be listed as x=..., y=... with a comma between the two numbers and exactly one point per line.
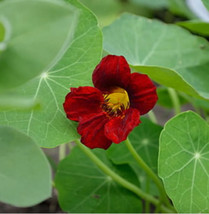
x=47, y=47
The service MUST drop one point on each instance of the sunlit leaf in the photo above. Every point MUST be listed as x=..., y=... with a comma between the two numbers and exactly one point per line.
x=38, y=33
x=198, y=27
x=25, y=177
x=49, y=126
x=84, y=188
x=105, y=11
x=183, y=162
x=12, y=101
x=169, y=54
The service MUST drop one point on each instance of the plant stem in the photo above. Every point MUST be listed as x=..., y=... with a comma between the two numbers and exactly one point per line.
x=157, y=209
x=152, y=117
x=111, y=174
x=147, y=203
x=149, y=172
x=175, y=100
x=70, y=146
x=62, y=151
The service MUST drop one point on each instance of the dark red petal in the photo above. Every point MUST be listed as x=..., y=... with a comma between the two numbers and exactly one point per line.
x=82, y=101
x=92, y=131
x=118, y=128
x=112, y=71
x=142, y=93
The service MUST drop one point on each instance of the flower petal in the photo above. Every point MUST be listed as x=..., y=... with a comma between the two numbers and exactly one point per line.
x=112, y=71
x=142, y=93
x=82, y=101
x=92, y=131
x=118, y=128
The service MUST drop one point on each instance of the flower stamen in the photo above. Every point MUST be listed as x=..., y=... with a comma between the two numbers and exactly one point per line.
x=116, y=101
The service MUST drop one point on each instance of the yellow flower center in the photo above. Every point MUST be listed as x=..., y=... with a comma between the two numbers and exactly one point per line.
x=116, y=101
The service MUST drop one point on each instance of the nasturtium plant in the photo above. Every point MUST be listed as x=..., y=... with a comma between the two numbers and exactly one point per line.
x=196, y=26
x=49, y=126
x=102, y=195
x=183, y=162
x=13, y=102
x=114, y=104
x=171, y=55
x=100, y=119
x=145, y=140
x=25, y=175
x=165, y=100
x=29, y=50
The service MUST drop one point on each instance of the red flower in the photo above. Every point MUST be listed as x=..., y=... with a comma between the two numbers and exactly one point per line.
x=109, y=111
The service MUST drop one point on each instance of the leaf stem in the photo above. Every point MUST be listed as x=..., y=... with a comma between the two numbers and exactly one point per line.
x=149, y=172
x=152, y=117
x=147, y=203
x=175, y=100
x=62, y=151
x=123, y=182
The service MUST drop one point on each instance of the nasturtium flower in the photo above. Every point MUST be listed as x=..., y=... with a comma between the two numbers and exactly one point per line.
x=110, y=110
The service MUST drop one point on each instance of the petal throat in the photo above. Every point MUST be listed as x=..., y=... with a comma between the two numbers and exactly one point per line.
x=116, y=101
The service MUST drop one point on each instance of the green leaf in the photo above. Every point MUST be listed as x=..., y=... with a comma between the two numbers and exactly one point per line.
x=184, y=161
x=82, y=187
x=2, y=32
x=169, y=54
x=154, y=5
x=144, y=138
x=49, y=126
x=105, y=11
x=179, y=7
x=38, y=33
x=203, y=104
x=12, y=101
x=164, y=98
x=2, y=35
x=25, y=176
x=196, y=26
x=206, y=3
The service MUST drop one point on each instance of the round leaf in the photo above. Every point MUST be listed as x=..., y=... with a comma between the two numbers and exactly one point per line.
x=25, y=177
x=184, y=161
x=38, y=33
x=49, y=126
x=83, y=187
x=169, y=54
